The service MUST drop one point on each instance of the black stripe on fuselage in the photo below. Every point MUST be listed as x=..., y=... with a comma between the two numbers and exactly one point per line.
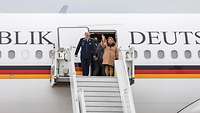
x=25, y=67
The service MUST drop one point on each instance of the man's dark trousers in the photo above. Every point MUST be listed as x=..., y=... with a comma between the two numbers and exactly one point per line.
x=85, y=63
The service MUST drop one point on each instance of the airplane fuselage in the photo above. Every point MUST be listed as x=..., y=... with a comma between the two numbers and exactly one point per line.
x=166, y=51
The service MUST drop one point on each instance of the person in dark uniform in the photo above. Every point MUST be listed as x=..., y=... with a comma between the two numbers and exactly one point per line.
x=87, y=46
x=99, y=67
x=94, y=61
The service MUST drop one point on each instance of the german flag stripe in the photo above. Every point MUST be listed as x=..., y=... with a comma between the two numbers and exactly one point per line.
x=25, y=67
x=167, y=76
x=24, y=76
x=167, y=67
x=167, y=71
x=141, y=71
x=24, y=71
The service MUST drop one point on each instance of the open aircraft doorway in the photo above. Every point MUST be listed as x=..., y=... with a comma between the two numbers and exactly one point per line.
x=97, y=34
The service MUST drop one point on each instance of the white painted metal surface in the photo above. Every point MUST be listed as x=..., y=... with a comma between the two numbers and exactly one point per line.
x=34, y=96
x=100, y=97
x=124, y=84
x=164, y=95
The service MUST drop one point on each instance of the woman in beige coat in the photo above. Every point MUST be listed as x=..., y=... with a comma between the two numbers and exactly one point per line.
x=110, y=55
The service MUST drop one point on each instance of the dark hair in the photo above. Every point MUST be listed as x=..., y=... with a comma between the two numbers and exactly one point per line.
x=113, y=44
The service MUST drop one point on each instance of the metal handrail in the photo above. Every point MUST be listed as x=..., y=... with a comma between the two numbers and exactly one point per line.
x=126, y=101
x=74, y=94
x=189, y=105
x=124, y=85
x=74, y=87
x=129, y=58
x=78, y=100
x=82, y=101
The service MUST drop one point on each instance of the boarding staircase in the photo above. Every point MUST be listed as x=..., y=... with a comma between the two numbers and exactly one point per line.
x=102, y=94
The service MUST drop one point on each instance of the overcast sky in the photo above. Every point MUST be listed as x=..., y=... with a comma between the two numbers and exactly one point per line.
x=100, y=6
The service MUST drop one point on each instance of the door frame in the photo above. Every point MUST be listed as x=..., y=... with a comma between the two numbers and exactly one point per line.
x=106, y=30
x=58, y=33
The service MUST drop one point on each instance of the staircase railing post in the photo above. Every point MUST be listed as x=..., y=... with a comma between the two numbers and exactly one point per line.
x=82, y=101
x=124, y=85
x=73, y=85
x=74, y=94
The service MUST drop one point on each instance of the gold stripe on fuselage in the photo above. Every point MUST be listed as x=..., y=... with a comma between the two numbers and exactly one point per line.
x=24, y=76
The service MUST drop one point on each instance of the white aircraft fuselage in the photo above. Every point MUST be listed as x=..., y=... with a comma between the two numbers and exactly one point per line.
x=166, y=51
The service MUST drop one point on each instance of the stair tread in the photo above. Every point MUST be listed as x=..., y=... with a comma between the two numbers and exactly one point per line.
x=112, y=104
x=104, y=108
x=105, y=112
x=99, y=88
x=98, y=84
x=102, y=93
x=100, y=79
x=103, y=99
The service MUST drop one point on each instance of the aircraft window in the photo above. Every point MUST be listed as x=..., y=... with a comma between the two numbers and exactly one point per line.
x=51, y=54
x=174, y=54
x=199, y=53
x=161, y=54
x=147, y=54
x=11, y=54
x=39, y=54
x=135, y=54
x=188, y=54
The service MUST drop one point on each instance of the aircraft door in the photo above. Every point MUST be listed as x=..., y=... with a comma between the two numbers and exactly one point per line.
x=69, y=37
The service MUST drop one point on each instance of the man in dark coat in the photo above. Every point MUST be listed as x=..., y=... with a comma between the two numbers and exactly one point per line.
x=87, y=46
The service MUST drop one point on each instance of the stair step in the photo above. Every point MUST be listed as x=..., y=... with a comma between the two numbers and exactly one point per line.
x=105, y=112
x=103, y=99
x=97, y=89
x=102, y=93
x=100, y=79
x=107, y=109
x=94, y=83
x=105, y=104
